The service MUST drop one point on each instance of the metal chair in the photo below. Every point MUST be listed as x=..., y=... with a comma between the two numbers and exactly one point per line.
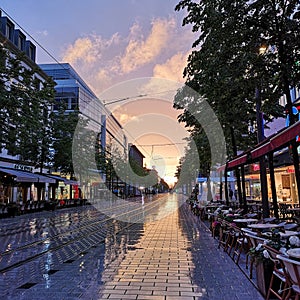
x=292, y=273
x=240, y=246
x=253, y=242
x=278, y=274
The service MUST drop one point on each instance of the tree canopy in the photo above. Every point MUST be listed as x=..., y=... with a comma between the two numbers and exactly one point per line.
x=25, y=109
x=226, y=65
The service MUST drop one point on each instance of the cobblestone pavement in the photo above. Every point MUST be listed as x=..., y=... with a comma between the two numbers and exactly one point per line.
x=81, y=253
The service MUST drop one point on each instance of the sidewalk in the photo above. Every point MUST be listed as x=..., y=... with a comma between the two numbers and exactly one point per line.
x=174, y=257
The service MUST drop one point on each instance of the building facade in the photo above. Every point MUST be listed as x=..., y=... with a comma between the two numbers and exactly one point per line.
x=19, y=178
x=108, y=133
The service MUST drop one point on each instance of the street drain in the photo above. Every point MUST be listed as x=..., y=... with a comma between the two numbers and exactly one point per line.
x=27, y=285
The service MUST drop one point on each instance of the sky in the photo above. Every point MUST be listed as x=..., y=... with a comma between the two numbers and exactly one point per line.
x=123, y=49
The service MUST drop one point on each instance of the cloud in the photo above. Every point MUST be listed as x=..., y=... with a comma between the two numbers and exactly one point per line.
x=124, y=118
x=141, y=51
x=173, y=68
x=144, y=52
x=89, y=49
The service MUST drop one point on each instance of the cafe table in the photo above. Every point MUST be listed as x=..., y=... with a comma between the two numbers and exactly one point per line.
x=294, y=252
x=262, y=226
x=288, y=233
x=284, y=235
x=250, y=220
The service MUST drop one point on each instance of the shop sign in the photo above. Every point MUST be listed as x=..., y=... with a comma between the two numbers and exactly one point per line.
x=290, y=170
x=23, y=168
x=255, y=167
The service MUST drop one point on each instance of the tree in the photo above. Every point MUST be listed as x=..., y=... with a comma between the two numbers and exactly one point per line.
x=25, y=109
x=225, y=68
x=64, y=126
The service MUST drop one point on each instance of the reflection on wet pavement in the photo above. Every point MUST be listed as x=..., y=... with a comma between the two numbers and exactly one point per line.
x=82, y=253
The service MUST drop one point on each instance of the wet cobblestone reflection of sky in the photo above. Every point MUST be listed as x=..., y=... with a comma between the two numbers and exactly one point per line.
x=81, y=253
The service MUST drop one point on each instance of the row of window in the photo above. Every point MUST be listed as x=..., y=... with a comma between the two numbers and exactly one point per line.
x=17, y=37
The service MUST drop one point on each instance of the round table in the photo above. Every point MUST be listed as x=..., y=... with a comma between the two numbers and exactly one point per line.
x=295, y=252
x=245, y=220
x=264, y=226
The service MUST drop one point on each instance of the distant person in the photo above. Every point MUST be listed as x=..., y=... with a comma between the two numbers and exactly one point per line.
x=230, y=194
x=2, y=196
x=236, y=195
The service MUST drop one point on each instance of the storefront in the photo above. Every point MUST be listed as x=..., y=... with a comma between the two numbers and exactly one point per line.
x=21, y=186
x=281, y=178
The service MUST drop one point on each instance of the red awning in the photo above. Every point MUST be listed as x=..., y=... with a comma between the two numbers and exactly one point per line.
x=261, y=150
x=241, y=160
x=272, y=144
x=285, y=136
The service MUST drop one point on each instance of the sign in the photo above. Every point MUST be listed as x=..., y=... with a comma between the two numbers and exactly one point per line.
x=255, y=167
x=23, y=168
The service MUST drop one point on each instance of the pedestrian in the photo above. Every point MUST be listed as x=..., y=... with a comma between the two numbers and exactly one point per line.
x=2, y=196
x=230, y=193
x=235, y=194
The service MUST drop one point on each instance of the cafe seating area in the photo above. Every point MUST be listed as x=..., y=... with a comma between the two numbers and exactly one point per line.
x=266, y=250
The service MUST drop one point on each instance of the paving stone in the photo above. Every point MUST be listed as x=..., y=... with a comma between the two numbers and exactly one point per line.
x=174, y=257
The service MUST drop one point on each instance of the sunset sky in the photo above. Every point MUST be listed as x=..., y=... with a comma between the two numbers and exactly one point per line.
x=134, y=49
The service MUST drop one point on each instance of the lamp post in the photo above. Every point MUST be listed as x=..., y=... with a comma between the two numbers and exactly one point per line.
x=260, y=138
x=262, y=161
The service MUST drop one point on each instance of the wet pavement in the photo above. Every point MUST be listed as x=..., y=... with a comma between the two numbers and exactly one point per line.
x=155, y=250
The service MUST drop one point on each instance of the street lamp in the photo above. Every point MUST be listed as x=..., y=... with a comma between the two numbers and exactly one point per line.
x=260, y=138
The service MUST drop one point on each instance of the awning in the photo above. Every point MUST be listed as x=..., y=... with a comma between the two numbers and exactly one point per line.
x=217, y=179
x=43, y=178
x=271, y=144
x=63, y=179
x=285, y=136
x=22, y=176
x=241, y=160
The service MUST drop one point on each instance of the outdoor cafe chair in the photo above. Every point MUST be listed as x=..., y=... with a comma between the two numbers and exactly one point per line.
x=292, y=273
x=253, y=241
x=278, y=276
x=235, y=235
x=240, y=246
x=224, y=235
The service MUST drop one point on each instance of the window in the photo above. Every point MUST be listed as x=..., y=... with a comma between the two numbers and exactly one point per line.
x=21, y=43
x=73, y=103
x=31, y=53
x=9, y=31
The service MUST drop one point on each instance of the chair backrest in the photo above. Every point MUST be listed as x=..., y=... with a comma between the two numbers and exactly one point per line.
x=273, y=252
x=255, y=240
x=292, y=268
x=278, y=264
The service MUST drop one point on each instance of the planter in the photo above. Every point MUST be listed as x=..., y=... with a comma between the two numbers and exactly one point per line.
x=264, y=272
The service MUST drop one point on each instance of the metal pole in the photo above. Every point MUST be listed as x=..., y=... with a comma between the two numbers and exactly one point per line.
x=262, y=161
x=273, y=185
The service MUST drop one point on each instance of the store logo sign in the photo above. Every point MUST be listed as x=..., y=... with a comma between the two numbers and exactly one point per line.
x=23, y=168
